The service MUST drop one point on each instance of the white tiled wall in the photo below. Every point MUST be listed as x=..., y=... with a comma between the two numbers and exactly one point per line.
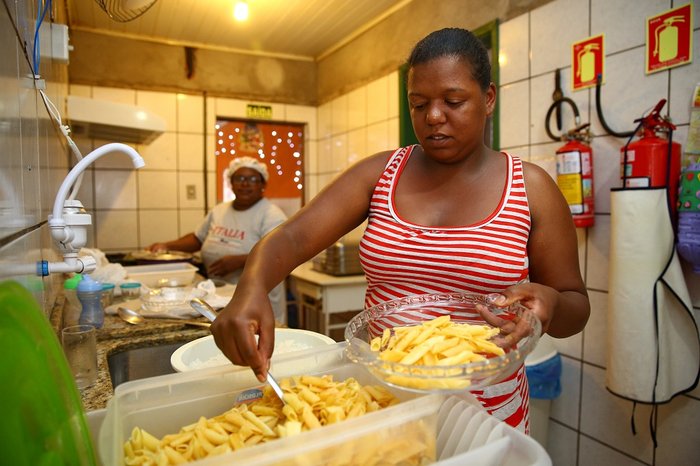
x=33, y=159
x=134, y=208
x=355, y=125
x=589, y=426
x=125, y=202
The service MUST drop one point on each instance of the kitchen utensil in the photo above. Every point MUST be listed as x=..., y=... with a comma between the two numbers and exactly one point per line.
x=414, y=310
x=203, y=308
x=135, y=318
x=207, y=311
x=160, y=257
x=276, y=387
x=342, y=258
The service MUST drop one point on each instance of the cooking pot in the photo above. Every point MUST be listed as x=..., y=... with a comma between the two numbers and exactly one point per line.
x=161, y=257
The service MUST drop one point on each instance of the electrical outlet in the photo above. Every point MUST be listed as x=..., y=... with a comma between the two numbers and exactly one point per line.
x=53, y=39
x=191, y=192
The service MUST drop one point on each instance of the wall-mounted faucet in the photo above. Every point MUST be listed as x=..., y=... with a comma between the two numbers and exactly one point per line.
x=69, y=220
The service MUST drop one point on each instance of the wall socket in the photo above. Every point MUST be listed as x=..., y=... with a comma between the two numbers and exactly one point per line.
x=53, y=41
x=191, y=192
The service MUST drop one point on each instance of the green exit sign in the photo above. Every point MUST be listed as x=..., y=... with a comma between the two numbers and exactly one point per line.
x=260, y=112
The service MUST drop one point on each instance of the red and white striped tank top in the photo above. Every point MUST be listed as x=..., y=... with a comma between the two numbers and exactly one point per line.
x=402, y=259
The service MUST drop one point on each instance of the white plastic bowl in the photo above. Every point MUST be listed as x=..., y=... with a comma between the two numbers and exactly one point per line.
x=203, y=352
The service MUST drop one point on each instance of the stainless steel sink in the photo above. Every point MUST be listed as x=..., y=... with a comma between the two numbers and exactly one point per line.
x=139, y=363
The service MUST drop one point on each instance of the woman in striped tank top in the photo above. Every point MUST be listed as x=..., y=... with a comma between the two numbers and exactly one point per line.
x=447, y=215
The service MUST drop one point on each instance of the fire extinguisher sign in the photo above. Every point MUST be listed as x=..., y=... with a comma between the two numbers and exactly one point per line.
x=587, y=59
x=669, y=39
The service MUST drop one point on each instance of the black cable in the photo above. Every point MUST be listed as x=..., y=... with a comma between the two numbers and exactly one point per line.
x=555, y=105
x=599, y=112
x=625, y=159
x=671, y=208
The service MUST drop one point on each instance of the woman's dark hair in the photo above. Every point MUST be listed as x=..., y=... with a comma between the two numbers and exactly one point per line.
x=454, y=42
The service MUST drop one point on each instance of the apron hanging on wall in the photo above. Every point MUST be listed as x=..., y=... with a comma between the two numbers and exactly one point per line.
x=653, y=342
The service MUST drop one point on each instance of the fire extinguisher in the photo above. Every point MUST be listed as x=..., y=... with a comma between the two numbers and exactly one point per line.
x=575, y=175
x=653, y=160
x=574, y=162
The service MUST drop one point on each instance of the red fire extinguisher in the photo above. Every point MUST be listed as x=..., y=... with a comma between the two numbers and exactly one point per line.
x=653, y=160
x=575, y=175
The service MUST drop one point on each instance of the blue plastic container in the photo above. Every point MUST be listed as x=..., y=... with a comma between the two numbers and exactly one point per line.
x=89, y=294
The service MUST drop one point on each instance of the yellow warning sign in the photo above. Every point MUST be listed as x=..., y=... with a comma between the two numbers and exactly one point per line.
x=570, y=187
x=669, y=39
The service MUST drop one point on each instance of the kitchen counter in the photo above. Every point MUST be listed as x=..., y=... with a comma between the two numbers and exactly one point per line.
x=117, y=335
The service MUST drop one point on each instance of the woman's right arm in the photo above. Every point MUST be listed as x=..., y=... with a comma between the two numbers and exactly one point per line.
x=335, y=211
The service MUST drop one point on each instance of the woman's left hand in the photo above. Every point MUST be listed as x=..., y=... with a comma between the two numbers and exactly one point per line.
x=225, y=265
x=539, y=300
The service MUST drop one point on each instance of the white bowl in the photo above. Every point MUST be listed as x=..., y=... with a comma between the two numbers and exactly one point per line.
x=203, y=352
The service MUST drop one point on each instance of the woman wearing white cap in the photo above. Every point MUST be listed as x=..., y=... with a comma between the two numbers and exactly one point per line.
x=231, y=229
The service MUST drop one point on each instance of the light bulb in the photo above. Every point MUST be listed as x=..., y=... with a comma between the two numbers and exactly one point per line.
x=240, y=10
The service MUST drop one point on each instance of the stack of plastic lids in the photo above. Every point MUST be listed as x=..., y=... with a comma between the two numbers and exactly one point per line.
x=467, y=434
x=43, y=422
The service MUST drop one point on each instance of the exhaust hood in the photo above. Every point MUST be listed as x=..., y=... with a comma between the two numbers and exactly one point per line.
x=111, y=121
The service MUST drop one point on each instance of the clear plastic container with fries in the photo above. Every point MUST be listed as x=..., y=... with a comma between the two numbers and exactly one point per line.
x=149, y=411
x=437, y=342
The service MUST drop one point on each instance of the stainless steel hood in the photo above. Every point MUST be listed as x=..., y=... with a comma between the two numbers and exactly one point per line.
x=111, y=121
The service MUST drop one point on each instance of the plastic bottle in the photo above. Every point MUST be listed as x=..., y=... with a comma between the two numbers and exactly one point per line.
x=89, y=294
x=72, y=308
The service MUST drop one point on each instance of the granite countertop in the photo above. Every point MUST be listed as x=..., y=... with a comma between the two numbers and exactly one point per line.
x=117, y=335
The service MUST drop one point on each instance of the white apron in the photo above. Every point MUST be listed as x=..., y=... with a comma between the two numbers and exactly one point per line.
x=653, y=343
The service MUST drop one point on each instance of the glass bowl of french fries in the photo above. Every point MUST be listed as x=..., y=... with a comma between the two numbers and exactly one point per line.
x=437, y=342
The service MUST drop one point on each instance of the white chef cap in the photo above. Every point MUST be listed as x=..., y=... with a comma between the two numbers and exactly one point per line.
x=247, y=162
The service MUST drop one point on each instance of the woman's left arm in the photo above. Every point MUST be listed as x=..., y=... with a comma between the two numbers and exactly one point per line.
x=556, y=293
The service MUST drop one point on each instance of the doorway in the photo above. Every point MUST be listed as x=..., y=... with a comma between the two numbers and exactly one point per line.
x=279, y=145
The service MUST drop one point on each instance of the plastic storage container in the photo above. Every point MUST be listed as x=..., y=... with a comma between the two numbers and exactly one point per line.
x=162, y=405
x=543, y=368
x=89, y=294
x=107, y=294
x=130, y=290
x=468, y=435
x=181, y=273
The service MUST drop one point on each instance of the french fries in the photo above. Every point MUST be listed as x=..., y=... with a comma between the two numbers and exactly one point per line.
x=312, y=402
x=435, y=343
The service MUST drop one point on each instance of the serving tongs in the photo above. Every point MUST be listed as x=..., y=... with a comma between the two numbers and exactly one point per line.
x=205, y=309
